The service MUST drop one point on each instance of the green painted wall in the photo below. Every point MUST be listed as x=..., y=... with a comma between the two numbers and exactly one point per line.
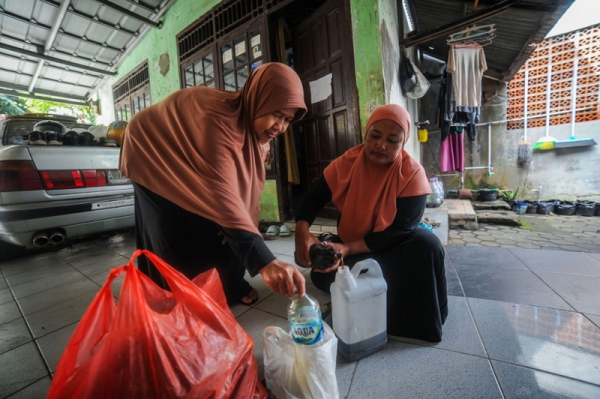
x=269, y=205
x=163, y=41
x=366, y=40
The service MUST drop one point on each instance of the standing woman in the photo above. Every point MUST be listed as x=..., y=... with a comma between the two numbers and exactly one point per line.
x=196, y=163
x=381, y=193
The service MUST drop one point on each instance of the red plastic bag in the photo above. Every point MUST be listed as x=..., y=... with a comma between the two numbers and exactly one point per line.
x=158, y=344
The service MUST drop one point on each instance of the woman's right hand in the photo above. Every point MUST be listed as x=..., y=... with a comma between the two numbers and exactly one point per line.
x=304, y=239
x=283, y=278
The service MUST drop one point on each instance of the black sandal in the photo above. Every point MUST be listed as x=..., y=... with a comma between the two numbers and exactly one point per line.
x=247, y=296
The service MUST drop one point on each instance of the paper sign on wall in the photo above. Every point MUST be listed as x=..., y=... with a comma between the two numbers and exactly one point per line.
x=240, y=48
x=320, y=89
x=227, y=56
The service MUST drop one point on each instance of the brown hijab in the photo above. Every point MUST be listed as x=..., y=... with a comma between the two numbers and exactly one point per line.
x=197, y=147
x=366, y=193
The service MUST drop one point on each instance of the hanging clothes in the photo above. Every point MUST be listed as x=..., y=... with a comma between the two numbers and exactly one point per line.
x=450, y=115
x=452, y=152
x=466, y=62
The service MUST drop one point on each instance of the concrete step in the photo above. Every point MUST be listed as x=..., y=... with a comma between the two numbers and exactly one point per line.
x=498, y=217
x=318, y=227
x=460, y=213
x=491, y=205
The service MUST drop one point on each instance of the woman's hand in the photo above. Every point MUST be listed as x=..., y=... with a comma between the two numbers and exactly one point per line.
x=283, y=278
x=304, y=239
x=342, y=249
x=353, y=248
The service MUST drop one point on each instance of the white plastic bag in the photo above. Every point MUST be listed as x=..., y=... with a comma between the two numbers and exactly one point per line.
x=294, y=371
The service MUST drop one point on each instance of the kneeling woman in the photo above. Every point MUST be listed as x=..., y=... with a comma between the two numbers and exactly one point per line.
x=381, y=193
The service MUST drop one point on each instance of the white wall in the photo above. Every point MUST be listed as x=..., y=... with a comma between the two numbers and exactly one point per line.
x=390, y=53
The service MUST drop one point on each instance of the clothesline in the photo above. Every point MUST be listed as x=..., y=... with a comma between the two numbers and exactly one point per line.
x=521, y=119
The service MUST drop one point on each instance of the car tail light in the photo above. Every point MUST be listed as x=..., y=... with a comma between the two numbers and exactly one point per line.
x=19, y=176
x=23, y=176
x=94, y=178
x=62, y=179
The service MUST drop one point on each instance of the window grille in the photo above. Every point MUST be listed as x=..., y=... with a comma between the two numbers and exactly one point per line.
x=195, y=38
x=232, y=15
x=132, y=93
x=216, y=23
x=550, y=73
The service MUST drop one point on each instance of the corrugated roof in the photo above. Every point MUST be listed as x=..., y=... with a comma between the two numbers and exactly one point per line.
x=94, y=36
x=516, y=28
x=91, y=38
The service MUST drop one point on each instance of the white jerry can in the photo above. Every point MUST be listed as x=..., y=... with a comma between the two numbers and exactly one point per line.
x=359, y=309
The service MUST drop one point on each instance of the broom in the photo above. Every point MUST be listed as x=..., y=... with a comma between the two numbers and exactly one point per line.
x=544, y=144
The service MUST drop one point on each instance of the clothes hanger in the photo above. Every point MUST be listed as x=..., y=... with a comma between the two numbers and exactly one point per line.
x=478, y=36
x=472, y=31
x=466, y=45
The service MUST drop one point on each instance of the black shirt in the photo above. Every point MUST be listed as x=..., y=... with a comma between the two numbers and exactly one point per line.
x=409, y=211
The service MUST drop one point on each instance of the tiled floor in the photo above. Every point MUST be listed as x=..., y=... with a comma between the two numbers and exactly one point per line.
x=523, y=323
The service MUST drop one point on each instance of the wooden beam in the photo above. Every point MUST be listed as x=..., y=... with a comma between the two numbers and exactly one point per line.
x=444, y=30
x=524, y=5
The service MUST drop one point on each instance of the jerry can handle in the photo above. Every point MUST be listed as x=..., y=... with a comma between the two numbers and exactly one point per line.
x=371, y=264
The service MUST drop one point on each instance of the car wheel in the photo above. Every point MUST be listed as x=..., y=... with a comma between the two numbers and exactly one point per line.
x=10, y=251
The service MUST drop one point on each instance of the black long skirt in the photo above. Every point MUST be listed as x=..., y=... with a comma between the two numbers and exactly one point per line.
x=186, y=241
x=417, y=303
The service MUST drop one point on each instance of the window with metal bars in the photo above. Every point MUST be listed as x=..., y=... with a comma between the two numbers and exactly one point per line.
x=240, y=56
x=132, y=93
x=218, y=38
x=226, y=63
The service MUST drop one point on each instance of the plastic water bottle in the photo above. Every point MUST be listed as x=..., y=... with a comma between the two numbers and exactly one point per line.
x=304, y=316
x=435, y=194
x=440, y=185
x=431, y=197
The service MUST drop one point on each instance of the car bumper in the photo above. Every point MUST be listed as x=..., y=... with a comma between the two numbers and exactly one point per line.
x=18, y=223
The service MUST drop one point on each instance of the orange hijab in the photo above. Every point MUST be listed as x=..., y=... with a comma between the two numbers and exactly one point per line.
x=365, y=193
x=197, y=147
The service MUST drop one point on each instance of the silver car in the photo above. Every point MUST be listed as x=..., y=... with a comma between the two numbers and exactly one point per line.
x=49, y=193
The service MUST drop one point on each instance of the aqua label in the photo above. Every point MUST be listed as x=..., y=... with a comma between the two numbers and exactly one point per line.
x=307, y=333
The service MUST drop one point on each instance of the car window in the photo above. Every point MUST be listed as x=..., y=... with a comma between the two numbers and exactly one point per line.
x=17, y=130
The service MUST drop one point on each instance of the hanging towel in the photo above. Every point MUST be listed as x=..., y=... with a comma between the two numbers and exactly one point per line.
x=452, y=153
x=467, y=63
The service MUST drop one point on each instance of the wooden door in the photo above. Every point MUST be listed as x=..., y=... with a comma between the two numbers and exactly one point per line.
x=331, y=126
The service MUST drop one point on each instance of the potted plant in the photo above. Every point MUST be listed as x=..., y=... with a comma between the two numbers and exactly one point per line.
x=565, y=208
x=585, y=208
x=510, y=196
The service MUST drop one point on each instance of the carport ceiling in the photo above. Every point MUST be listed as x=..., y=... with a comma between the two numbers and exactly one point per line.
x=63, y=48
x=518, y=25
